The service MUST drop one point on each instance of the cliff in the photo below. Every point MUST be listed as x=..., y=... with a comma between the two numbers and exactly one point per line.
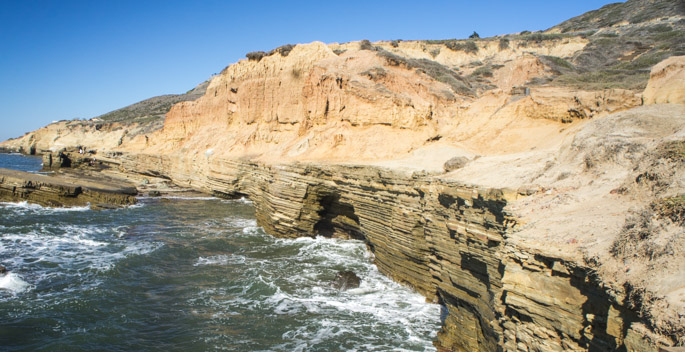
x=529, y=183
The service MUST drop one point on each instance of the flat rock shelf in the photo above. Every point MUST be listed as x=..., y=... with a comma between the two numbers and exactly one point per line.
x=64, y=190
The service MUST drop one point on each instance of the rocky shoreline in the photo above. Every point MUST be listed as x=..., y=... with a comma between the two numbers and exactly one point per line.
x=452, y=241
x=64, y=190
x=446, y=239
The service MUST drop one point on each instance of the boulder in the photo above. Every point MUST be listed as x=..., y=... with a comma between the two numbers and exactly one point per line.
x=455, y=163
x=346, y=280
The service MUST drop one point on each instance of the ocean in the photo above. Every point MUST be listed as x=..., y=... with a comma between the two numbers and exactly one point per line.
x=190, y=274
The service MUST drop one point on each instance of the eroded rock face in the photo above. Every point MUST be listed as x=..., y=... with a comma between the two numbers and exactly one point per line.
x=359, y=106
x=666, y=82
x=447, y=240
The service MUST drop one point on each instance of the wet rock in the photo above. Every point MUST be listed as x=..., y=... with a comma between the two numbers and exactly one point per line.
x=346, y=280
x=154, y=194
x=3, y=270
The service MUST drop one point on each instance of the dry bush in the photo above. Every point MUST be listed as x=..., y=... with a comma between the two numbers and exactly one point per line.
x=431, y=68
x=255, y=55
x=503, y=44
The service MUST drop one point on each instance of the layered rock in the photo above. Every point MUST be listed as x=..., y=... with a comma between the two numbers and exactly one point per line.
x=63, y=191
x=448, y=240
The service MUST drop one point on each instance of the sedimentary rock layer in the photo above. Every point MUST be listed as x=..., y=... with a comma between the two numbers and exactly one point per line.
x=63, y=191
x=446, y=239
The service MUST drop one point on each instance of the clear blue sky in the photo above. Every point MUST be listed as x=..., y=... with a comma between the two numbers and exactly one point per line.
x=66, y=59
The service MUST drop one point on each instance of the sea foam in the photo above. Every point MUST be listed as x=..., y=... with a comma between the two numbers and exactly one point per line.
x=13, y=283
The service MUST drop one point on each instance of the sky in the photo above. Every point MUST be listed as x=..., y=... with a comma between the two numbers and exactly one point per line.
x=67, y=59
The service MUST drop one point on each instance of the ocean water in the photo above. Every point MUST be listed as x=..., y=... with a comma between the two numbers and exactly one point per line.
x=191, y=275
x=20, y=162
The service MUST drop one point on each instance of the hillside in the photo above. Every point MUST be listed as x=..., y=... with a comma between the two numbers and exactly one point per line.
x=151, y=110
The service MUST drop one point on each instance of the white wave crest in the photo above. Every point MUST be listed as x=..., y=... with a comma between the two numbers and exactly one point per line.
x=220, y=260
x=13, y=283
x=241, y=200
x=39, y=208
x=187, y=198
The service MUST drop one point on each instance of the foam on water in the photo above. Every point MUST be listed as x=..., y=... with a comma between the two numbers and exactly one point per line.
x=378, y=304
x=221, y=260
x=13, y=283
x=50, y=254
x=241, y=200
x=193, y=274
x=241, y=223
x=187, y=198
x=26, y=208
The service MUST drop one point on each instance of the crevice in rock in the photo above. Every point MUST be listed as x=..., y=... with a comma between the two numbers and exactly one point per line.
x=474, y=333
x=337, y=219
x=229, y=195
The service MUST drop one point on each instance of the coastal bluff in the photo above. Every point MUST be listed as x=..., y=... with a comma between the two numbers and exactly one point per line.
x=531, y=184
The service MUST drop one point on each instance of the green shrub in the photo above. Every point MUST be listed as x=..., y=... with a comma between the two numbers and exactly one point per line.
x=556, y=63
x=660, y=28
x=664, y=36
x=642, y=62
x=586, y=34
x=540, y=37
x=395, y=43
x=605, y=79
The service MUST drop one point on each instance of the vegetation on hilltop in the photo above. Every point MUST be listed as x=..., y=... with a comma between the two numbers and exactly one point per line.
x=624, y=41
x=150, y=111
x=632, y=12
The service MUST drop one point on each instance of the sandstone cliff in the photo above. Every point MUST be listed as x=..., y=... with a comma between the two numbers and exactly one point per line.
x=558, y=225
